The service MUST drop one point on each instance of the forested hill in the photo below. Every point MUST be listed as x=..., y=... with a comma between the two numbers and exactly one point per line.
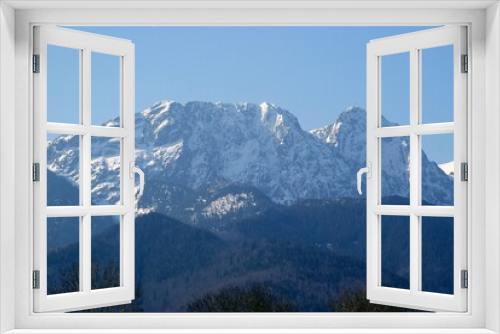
x=299, y=252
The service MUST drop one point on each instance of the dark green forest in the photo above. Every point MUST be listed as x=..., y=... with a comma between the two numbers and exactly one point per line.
x=308, y=257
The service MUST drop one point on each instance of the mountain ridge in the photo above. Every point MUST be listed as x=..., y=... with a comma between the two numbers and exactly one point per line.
x=207, y=160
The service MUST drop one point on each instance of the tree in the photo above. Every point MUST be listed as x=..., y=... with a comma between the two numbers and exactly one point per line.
x=255, y=298
x=101, y=277
x=354, y=300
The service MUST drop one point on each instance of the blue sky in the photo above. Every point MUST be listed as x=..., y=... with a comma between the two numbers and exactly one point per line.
x=314, y=72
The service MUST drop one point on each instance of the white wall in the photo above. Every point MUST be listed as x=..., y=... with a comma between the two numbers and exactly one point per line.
x=491, y=166
x=7, y=162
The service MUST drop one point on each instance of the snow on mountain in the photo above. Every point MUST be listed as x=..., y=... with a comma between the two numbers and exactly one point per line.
x=448, y=168
x=206, y=160
x=347, y=136
x=262, y=145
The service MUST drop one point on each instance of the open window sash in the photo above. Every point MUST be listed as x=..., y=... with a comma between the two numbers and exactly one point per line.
x=85, y=296
x=415, y=297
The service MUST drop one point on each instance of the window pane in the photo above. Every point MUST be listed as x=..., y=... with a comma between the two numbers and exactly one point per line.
x=105, y=252
x=395, y=180
x=437, y=254
x=437, y=84
x=437, y=169
x=395, y=89
x=63, y=170
x=106, y=167
x=396, y=251
x=63, y=85
x=105, y=89
x=63, y=255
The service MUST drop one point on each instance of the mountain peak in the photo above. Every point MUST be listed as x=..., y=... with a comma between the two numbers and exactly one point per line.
x=182, y=147
x=180, y=119
x=351, y=120
x=448, y=168
x=354, y=109
x=244, y=143
x=267, y=105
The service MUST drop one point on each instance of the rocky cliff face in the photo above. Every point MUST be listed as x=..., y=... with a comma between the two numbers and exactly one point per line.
x=209, y=160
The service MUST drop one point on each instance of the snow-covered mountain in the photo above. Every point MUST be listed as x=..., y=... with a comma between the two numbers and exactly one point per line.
x=448, y=168
x=210, y=160
x=347, y=136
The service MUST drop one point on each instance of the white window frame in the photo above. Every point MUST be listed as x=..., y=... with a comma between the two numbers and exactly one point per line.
x=484, y=212
x=413, y=44
x=86, y=44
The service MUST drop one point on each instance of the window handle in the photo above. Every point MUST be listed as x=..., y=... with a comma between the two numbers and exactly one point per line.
x=368, y=171
x=139, y=171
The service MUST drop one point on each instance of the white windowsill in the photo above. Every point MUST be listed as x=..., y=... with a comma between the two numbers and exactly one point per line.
x=251, y=331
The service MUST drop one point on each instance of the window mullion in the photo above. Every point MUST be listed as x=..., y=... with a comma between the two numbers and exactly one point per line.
x=103, y=131
x=85, y=246
x=419, y=126
x=82, y=180
x=67, y=129
x=434, y=129
x=414, y=170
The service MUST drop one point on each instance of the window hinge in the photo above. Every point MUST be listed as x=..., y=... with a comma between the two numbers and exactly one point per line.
x=465, y=279
x=36, y=172
x=36, y=63
x=464, y=171
x=36, y=279
x=465, y=64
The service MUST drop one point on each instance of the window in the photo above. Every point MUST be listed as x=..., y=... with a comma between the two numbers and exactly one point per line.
x=481, y=231
x=416, y=219
x=65, y=60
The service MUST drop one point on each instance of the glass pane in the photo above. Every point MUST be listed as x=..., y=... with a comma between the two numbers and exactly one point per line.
x=105, y=250
x=437, y=84
x=105, y=170
x=395, y=89
x=437, y=169
x=63, y=85
x=63, y=255
x=437, y=254
x=395, y=180
x=396, y=251
x=63, y=170
x=105, y=89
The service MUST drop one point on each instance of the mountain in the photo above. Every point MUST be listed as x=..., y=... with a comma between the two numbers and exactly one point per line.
x=448, y=168
x=339, y=225
x=308, y=252
x=238, y=194
x=262, y=146
x=61, y=191
x=177, y=264
x=62, y=231
x=209, y=163
x=347, y=136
